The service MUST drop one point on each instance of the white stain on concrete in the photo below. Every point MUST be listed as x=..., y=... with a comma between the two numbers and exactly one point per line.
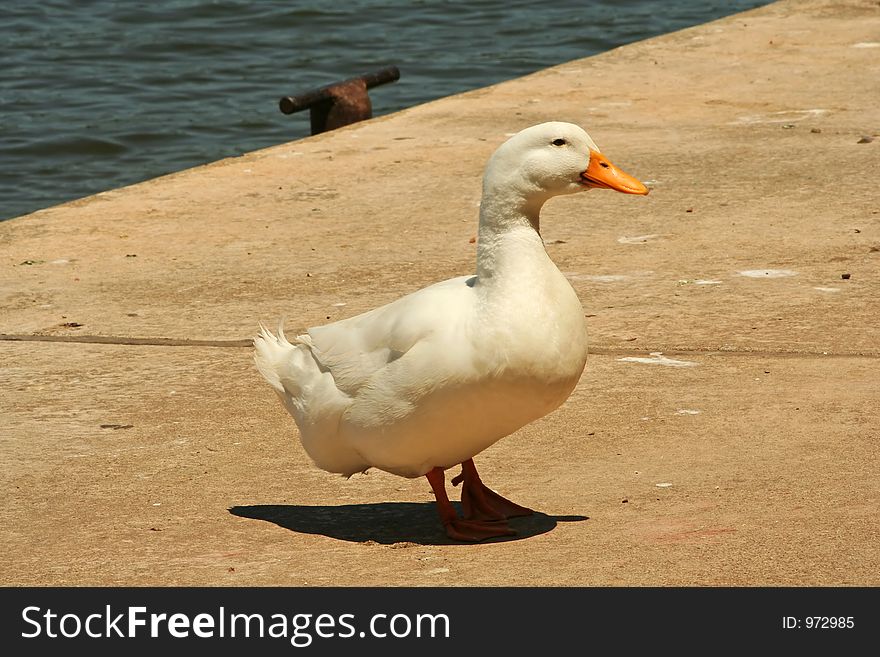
x=784, y=116
x=767, y=273
x=606, y=278
x=698, y=281
x=601, y=278
x=657, y=358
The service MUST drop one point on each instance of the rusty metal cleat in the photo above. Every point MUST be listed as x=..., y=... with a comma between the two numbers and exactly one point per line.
x=341, y=103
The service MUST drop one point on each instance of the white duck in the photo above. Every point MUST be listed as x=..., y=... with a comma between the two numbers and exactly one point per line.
x=428, y=381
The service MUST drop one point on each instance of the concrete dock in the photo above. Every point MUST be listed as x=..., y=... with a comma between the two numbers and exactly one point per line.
x=725, y=431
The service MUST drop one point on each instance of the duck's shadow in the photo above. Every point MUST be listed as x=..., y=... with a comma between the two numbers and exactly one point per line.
x=385, y=522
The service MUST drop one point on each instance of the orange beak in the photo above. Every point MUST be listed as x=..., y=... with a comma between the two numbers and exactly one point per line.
x=601, y=173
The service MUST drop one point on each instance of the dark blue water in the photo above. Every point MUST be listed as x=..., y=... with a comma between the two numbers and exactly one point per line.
x=95, y=94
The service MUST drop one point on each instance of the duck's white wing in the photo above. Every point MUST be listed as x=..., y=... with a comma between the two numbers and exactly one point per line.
x=355, y=349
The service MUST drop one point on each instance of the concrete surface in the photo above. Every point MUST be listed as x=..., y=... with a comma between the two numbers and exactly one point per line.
x=140, y=446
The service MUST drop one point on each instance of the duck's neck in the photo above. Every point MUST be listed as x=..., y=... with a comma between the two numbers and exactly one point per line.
x=509, y=243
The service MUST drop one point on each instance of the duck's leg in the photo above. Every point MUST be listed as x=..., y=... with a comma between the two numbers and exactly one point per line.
x=481, y=502
x=456, y=528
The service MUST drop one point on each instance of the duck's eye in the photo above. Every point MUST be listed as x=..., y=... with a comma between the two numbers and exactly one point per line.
x=559, y=142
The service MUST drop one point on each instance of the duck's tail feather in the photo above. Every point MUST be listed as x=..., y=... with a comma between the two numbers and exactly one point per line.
x=288, y=367
x=310, y=395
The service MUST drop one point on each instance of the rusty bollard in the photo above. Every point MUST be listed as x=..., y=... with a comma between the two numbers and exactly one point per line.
x=340, y=103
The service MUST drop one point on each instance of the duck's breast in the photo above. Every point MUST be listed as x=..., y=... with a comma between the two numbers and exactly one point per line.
x=458, y=391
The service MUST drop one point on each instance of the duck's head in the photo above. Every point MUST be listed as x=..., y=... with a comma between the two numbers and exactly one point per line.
x=556, y=158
